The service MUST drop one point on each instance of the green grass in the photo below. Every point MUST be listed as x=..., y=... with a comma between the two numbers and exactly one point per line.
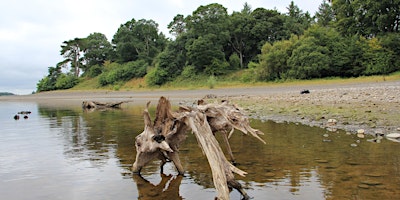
x=229, y=81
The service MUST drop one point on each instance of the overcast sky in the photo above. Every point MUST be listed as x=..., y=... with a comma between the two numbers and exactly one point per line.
x=31, y=31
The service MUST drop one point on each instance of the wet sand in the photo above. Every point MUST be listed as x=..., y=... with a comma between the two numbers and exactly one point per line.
x=374, y=107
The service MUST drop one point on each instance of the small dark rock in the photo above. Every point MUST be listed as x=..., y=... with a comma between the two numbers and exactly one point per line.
x=305, y=92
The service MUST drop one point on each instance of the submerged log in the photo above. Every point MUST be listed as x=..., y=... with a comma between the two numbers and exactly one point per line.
x=88, y=105
x=162, y=138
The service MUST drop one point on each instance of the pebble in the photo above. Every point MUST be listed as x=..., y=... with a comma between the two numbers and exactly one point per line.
x=361, y=133
x=332, y=122
x=363, y=186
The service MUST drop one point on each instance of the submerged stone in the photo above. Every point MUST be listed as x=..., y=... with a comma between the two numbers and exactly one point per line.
x=363, y=186
x=371, y=182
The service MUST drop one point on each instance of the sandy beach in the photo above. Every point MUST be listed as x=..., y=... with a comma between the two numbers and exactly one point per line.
x=374, y=107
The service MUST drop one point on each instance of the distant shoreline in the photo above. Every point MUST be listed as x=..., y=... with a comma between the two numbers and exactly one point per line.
x=373, y=106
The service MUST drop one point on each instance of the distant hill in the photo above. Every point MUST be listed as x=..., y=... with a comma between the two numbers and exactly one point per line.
x=6, y=94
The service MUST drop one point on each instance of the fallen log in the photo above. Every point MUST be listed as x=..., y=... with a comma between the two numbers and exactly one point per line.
x=88, y=105
x=161, y=139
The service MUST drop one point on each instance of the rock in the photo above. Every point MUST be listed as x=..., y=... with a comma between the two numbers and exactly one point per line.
x=363, y=186
x=393, y=135
x=269, y=174
x=305, y=91
x=371, y=182
x=210, y=96
x=330, y=129
x=379, y=134
x=352, y=162
x=332, y=122
x=353, y=145
x=360, y=133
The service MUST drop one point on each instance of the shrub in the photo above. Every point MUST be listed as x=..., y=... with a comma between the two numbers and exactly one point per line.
x=93, y=71
x=211, y=81
x=66, y=81
x=124, y=72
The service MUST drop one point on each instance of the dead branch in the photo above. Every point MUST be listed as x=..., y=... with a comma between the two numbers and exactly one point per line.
x=161, y=139
x=89, y=105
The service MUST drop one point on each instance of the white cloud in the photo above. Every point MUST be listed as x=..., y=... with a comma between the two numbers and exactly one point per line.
x=31, y=31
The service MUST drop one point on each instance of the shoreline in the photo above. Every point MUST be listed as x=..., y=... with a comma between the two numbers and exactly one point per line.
x=373, y=106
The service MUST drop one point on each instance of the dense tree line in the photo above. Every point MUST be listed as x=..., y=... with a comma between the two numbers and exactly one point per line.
x=344, y=38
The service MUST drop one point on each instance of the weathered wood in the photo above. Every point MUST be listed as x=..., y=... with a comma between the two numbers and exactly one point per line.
x=220, y=167
x=98, y=105
x=161, y=139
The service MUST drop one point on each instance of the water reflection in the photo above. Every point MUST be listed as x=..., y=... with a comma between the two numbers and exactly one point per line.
x=82, y=155
x=167, y=188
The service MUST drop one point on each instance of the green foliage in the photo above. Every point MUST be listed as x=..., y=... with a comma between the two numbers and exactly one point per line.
x=188, y=72
x=203, y=52
x=97, y=50
x=251, y=74
x=234, y=62
x=156, y=77
x=71, y=50
x=325, y=15
x=273, y=59
x=93, y=71
x=217, y=67
x=366, y=17
x=211, y=82
x=66, y=81
x=391, y=43
x=116, y=72
x=344, y=38
x=138, y=40
x=376, y=59
x=44, y=84
x=308, y=60
x=48, y=83
x=323, y=52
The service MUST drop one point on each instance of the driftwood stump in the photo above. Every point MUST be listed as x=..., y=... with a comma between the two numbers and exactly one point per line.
x=161, y=139
x=91, y=105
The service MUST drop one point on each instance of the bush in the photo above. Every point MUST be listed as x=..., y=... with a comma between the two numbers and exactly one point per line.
x=124, y=72
x=66, y=81
x=188, y=72
x=156, y=76
x=211, y=82
x=234, y=61
x=44, y=84
x=93, y=71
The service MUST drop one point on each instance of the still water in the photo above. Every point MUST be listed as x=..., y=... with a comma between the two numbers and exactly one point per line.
x=62, y=152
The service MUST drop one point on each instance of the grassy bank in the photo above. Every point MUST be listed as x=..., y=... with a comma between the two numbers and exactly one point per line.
x=205, y=82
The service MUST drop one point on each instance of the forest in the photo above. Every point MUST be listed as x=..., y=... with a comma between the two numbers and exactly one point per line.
x=342, y=39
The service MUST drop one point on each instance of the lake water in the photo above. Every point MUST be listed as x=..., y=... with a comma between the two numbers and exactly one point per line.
x=62, y=152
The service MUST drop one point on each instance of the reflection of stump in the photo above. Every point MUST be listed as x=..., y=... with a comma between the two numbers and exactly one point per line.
x=168, y=188
x=162, y=138
x=89, y=105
